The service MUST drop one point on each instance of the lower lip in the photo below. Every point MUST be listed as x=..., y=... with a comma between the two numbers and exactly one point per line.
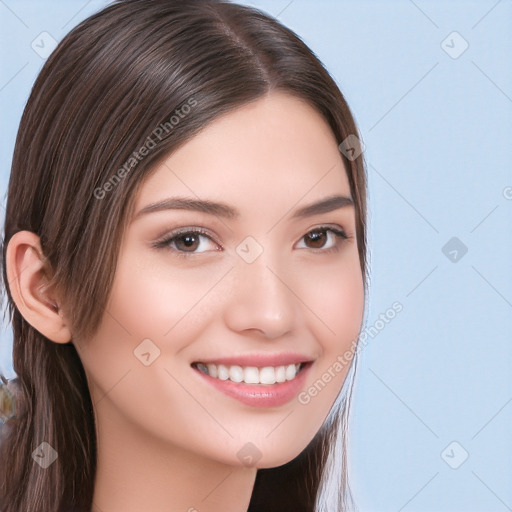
x=260, y=395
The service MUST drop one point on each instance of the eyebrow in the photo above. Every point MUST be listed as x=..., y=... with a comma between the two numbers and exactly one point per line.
x=325, y=205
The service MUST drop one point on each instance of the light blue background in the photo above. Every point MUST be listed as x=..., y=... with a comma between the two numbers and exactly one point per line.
x=438, y=134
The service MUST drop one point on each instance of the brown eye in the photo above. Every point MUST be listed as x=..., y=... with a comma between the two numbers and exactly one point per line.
x=323, y=238
x=316, y=238
x=187, y=242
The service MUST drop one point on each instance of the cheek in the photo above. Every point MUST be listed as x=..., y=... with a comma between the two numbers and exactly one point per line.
x=167, y=307
x=335, y=295
x=149, y=300
x=154, y=297
x=344, y=304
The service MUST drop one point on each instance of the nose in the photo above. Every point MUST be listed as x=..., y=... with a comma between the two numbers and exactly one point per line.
x=261, y=299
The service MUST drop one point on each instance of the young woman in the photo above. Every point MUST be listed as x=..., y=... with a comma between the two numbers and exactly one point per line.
x=184, y=262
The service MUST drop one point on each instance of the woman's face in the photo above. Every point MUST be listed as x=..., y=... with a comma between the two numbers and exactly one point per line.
x=257, y=281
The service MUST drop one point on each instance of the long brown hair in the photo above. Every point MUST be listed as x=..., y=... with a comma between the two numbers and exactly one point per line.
x=101, y=95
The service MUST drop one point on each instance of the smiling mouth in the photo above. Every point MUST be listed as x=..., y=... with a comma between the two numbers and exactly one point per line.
x=266, y=375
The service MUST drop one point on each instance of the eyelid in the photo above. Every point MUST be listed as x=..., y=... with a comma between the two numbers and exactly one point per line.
x=336, y=230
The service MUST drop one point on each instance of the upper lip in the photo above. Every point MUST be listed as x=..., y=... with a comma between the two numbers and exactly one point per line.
x=259, y=360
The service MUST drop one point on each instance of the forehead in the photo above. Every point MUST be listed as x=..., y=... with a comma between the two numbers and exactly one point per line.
x=273, y=151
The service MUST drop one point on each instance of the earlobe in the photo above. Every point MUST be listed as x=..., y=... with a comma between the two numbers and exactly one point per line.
x=27, y=275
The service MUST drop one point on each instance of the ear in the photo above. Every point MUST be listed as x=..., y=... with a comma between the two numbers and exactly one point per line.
x=28, y=276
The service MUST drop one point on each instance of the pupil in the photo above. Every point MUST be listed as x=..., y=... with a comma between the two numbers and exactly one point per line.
x=189, y=240
x=318, y=239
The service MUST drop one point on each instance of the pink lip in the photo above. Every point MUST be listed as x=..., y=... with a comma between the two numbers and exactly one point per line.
x=260, y=360
x=260, y=395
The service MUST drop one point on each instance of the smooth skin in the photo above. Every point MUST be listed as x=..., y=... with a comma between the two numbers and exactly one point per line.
x=168, y=441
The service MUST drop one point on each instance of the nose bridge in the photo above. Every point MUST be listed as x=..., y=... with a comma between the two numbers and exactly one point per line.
x=265, y=276
x=261, y=298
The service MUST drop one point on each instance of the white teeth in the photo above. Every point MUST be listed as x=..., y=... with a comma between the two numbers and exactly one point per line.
x=268, y=375
x=222, y=372
x=212, y=370
x=290, y=372
x=236, y=373
x=280, y=374
x=250, y=374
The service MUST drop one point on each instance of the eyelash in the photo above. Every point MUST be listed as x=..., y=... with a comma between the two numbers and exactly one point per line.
x=164, y=243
